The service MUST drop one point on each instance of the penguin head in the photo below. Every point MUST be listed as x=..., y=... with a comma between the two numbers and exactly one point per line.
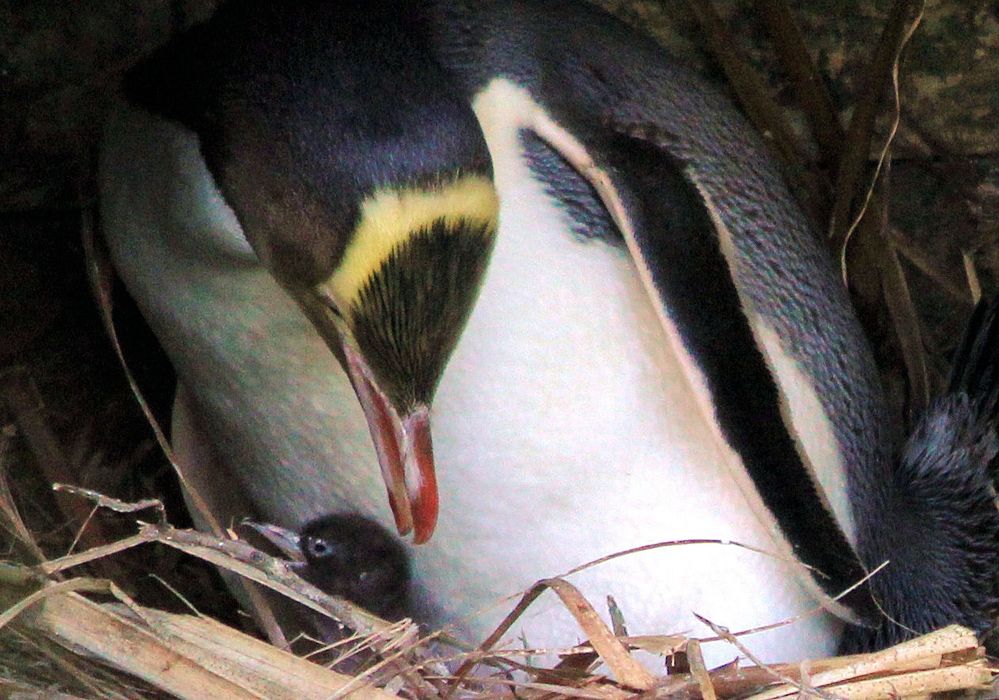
x=379, y=223
x=392, y=308
x=380, y=229
x=362, y=180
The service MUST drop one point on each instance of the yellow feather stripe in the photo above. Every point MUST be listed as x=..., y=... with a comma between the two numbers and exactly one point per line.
x=390, y=217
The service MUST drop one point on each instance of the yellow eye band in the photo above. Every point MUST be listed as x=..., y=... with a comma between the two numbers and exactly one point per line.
x=390, y=217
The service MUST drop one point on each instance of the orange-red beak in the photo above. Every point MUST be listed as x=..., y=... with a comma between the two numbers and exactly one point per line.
x=405, y=452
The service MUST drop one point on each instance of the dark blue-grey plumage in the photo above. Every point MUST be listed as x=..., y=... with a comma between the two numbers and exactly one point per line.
x=580, y=202
x=942, y=546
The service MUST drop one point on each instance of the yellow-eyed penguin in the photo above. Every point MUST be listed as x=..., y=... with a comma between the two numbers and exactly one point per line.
x=304, y=198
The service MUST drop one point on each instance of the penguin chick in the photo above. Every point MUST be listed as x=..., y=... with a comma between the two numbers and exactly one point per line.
x=349, y=556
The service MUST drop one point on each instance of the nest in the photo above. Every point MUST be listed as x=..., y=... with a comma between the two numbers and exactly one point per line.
x=71, y=627
x=81, y=634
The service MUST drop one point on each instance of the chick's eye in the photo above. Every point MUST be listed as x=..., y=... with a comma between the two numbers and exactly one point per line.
x=319, y=547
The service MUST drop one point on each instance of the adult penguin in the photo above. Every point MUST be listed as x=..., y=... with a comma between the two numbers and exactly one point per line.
x=660, y=349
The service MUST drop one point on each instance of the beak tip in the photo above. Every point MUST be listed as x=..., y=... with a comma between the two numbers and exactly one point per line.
x=423, y=487
x=405, y=452
x=403, y=523
x=425, y=515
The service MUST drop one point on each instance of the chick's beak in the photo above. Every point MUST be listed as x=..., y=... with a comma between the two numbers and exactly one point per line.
x=405, y=452
x=287, y=542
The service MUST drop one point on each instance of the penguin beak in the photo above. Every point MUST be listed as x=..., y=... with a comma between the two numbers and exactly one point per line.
x=405, y=452
x=402, y=441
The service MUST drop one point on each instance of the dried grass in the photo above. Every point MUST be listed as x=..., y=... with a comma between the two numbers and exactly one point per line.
x=83, y=636
x=76, y=636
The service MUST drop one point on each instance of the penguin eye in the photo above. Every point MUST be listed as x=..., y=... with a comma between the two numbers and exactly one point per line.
x=335, y=310
x=330, y=302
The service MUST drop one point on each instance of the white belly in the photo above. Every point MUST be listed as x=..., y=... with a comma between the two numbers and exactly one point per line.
x=562, y=429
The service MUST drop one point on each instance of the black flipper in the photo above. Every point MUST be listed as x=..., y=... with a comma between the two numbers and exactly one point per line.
x=681, y=245
x=941, y=534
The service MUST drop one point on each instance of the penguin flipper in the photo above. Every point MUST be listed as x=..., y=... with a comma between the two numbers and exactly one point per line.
x=685, y=259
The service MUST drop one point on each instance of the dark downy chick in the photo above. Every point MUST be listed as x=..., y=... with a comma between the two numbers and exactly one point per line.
x=349, y=556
